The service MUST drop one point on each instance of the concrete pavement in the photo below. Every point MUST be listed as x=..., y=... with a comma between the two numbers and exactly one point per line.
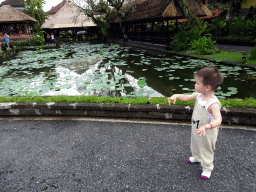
x=236, y=48
x=115, y=155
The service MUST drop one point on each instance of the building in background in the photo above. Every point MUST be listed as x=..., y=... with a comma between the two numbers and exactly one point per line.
x=14, y=23
x=16, y=4
x=69, y=17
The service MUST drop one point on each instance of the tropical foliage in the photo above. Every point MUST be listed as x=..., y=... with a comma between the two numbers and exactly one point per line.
x=193, y=34
x=239, y=27
x=231, y=6
x=195, y=38
x=103, y=21
x=203, y=45
x=107, y=10
x=192, y=19
x=36, y=41
x=34, y=8
x=253, y=54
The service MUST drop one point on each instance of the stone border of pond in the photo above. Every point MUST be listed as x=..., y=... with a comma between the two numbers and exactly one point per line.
x=5, y=55
x=147, y=111
x=9, y=53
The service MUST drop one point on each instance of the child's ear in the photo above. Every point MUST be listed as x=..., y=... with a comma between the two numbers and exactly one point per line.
x=208, y=88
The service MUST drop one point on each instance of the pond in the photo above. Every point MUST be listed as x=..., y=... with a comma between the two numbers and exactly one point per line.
x=102, y=70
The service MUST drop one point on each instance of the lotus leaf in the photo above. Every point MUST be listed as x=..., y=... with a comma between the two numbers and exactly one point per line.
x=218, y=60
x=120, y=88
x=127, y=85
x=141, y=83
x=232, y=88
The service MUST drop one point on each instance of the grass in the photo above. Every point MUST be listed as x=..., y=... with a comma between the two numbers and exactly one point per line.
x=230, y=56
x=223, y=55
x=237, y=103
x=226, y=55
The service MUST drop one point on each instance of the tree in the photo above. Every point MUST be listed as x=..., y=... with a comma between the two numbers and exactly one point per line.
x=106, y=10
x=229, y=5
x=236, y=5
x=122, y=8
x=34, y=8
x=192, y=19
x=191, y=32
x=103, y=18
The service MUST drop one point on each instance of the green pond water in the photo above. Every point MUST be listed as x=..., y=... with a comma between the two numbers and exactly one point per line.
x=101, y=70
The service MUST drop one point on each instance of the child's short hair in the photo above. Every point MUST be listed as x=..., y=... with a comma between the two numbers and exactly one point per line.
x=210, y=76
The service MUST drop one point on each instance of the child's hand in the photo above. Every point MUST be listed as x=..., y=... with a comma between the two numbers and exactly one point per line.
x=201, y=130
x=172, y=98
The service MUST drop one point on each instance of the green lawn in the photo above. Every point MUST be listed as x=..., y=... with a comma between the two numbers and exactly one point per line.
x=229, y=56
x=223, y=55
x=238, y=103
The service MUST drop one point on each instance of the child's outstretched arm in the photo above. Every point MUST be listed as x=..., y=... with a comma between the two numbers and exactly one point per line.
x=182, y=97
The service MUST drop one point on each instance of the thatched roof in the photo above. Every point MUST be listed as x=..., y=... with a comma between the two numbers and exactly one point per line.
x=196, y=7
x=151, y=9
x=70, y=15
x=56, y=8
x=147, y=9
x=11, y=15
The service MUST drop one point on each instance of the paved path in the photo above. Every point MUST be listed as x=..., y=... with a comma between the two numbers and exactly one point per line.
x=235, y=48
x=90, y=155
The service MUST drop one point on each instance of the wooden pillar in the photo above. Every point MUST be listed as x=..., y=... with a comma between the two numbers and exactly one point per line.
x=176, y=25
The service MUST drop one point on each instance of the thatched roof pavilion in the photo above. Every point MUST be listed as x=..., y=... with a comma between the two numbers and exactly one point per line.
x=150, y=20
x=164, y=9
x=15, y=23
x=69, y=16
x=11, y=15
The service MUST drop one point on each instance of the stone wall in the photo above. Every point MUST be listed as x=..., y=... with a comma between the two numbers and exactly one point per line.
x=7, y=55
x=173, y=112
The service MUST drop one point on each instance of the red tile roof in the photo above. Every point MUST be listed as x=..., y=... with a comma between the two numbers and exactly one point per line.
x=13, y=3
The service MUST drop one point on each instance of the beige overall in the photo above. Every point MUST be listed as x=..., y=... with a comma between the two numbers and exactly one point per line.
x=203, y=147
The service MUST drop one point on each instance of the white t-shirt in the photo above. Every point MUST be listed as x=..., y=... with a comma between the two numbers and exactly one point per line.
x=202, y=102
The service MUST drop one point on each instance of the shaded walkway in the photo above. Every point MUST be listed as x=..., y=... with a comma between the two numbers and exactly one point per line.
x=235, y=48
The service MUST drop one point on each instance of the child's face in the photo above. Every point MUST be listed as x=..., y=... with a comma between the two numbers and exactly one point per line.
x=199, y=86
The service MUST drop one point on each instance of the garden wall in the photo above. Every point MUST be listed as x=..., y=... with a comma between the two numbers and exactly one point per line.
x=7, y=55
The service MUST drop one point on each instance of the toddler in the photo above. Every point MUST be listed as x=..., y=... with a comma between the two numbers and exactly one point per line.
x=206, y=117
